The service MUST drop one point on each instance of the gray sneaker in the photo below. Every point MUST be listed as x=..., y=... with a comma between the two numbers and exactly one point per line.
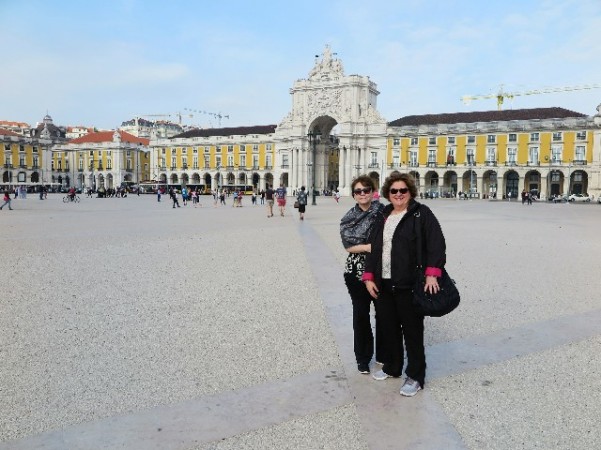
x=380, y=375
x=410, y=387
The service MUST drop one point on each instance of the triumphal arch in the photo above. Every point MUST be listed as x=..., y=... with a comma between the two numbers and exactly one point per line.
x=333, y=131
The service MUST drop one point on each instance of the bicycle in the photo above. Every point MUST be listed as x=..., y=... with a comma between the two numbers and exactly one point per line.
x=67, y=199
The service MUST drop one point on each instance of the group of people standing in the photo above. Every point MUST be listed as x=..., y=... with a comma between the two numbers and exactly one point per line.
x=381, y=267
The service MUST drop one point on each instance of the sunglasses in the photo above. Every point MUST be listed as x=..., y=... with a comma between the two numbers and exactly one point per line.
x=366, y=190
x=401, y=190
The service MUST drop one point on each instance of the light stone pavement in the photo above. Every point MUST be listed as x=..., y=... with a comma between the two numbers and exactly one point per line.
x=127, y=324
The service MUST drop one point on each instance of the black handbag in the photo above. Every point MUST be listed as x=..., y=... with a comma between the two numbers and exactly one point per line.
x=425, y=303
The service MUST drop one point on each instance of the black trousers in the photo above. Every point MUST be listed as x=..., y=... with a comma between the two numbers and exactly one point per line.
x=402, y=328
x=363, y=336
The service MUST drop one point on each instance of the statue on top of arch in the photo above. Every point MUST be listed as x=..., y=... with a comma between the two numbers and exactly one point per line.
x=327, y=68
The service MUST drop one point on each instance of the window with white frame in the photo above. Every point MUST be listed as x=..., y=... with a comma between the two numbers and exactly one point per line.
x=413, y=158
x=195, y=161
x=218, y=160
x=491, y=139
x=21, y=160
x=185, y=161
x=533, y=155
x=414, y=141
x=35, y=149
x=451, y=140
x=230, y=160
x=470, y=156
x=285, y=161
x=255, y=161
x=491, y=155
x=557, y=136
x=431, y=156
x=432, y=140
x=556, y=152
x=242, y=160
x=36, y=161
x=195, y=150
x=242, y=148
x=534, y=137
x=267, y=147
x=471, y=139
x=173, y=161
x=512, y=155
x=162, y=151
x=512, y=137
x=374, y=159
x=268, y=160
x=451, y=155
x=207, y=149
x=230, y=148
x=581, y=136
x=580, y=153
x=396, y=159
x=396, y=141
x=207, y=161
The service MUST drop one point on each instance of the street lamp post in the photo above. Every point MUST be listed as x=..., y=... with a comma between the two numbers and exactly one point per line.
x=313, y=140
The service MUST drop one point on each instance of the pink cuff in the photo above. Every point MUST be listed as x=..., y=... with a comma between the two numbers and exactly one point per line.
x=433, y=272
x=367, y=276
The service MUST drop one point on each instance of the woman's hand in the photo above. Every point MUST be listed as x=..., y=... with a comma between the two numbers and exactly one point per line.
x=372, y=288
x=431, y=284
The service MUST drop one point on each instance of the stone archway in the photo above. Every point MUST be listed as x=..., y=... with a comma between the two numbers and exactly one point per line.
x=512, y=180
x=449, y=184
x=579, y=182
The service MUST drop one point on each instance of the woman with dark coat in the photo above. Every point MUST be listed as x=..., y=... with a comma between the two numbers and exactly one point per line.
x=355, y=230
x=390, y=275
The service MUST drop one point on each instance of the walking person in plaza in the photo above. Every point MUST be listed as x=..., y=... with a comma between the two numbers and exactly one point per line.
x=355, y=231
x=301, y=198
x=7, y=201
x=173, y=195
x=390, y=275
x=280, y=195
x=269, y=197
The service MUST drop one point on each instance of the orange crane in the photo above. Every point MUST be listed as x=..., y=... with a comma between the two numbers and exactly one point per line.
x=501, y=94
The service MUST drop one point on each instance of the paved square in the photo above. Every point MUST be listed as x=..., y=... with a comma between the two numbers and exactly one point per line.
x=129, y=324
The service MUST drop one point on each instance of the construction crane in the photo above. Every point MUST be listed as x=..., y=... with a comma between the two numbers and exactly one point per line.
x=218, y=116
x=179, y=116
x=501, y=95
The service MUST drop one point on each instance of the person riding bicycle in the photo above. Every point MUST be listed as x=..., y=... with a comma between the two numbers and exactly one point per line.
x=72, y=193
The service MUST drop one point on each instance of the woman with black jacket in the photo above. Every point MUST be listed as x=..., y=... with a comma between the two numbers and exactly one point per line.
x=390, y=275
x=355, y=230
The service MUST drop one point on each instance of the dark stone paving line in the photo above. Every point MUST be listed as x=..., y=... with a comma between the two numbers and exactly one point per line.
x=476, y=351
x=202, y=420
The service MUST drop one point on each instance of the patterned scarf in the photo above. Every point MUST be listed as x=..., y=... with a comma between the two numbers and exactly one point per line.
x=356, y=224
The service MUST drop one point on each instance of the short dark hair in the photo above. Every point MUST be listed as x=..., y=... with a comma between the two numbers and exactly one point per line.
x=365, y=180
x=398, y=176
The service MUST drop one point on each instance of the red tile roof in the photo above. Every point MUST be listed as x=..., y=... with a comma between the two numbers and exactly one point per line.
x=10, y=123
x=107, y=136
x=231, y=131
x=8, y=132
x=486, y=116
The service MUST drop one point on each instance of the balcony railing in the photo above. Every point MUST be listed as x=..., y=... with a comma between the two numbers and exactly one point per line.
x=185, y=167
x=580, y=162
x=173, y=167
x=374, y=165
x=8, y=166
x=285, y=166
x=266, y=167
x=432, y=164
x=491, y=163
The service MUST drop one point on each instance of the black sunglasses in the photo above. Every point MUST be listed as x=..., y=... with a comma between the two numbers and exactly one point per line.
x=366, y=190
x=401, y=190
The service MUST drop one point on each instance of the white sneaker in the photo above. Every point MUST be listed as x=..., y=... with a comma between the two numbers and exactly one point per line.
x=410, y=387
x=381, y=375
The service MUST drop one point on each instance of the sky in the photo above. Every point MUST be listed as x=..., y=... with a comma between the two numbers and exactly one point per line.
x=99, y=63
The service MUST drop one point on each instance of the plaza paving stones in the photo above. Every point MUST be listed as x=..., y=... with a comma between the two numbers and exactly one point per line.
x=128, y=324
